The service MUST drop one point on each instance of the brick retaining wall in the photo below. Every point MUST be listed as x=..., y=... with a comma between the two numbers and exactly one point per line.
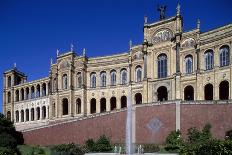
x=152, y=124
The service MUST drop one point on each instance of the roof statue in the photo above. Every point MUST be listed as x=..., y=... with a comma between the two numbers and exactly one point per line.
x=84, y=52
x=130, y=44
x=178, y=9
x=145, y=19
x=162, y=10
x=57, y=53
x=72, y=47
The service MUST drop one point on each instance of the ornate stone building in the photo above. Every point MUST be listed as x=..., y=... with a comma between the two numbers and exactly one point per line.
x=170, y=64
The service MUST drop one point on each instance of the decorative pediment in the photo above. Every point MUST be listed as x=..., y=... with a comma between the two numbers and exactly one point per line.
x=138, y=55
x=64, y=64
x=188, y=43
x=162, y=36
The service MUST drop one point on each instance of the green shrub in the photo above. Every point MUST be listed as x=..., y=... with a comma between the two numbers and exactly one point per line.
x=67, y=149
x=90, y=145
x=103, y=144
x=227, y=146
x=174, y=142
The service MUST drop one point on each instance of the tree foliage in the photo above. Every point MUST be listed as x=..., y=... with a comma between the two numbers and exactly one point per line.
x=9, y=137
x=174, y=141
x=198, y=142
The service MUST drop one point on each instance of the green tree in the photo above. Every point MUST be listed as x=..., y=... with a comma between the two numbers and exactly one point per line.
x=9, y=137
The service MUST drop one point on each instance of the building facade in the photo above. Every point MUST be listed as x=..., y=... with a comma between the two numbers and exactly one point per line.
x=170, y=64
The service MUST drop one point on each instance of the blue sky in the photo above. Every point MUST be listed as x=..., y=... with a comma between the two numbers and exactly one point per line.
x=32, y=30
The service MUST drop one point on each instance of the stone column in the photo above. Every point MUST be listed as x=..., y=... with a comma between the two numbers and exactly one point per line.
x=198, y=59
x=29, y=114
x=29, y=95
x=25, y=94
x=177, y=57
x=25, y=115
x=129, y=74
x=145, y=66
x=107, y=104
x=145, y=45
x=19, y=116
x=41, y=91
x=20, y=95
x=47, y=84
x=118, y=102
x=82, y=78
x=47, y=112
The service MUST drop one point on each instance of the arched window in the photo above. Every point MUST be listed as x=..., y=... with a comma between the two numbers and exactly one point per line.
x=162, y=66
x=32, y=92
x=209, y=60
x=189, y=93
x=27, y=93
x=78, y=106
x=138, y=74
x=8, y=115
x=188, y=64
x=113, y=77
x=9, y=81
x=32, y=114
x=79, y=80
x=38, y=90
x=209, y=92
x=27, y=114
x=123, y=76
x=22, y=115
x=43, y=112
x=103, y=79
x=22, y=94
x=123, y=102
x=162, y=93
x=93, y=80
x=113, y=103
x=93, y=106
x=9, y=97
x=65, y=106
x=224, y=56
x=65, y=81
x=103, y=104
x=17, y=95
x=17, y=116
x=44, y=89
x=138, y=98
x=224, y=90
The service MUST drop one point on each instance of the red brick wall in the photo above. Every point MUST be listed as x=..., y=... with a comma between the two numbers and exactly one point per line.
x=165, y=115
x=113, y=125
x=80, y=131
x=218, y=115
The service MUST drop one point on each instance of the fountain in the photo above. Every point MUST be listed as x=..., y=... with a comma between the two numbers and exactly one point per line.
x=129, y=147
